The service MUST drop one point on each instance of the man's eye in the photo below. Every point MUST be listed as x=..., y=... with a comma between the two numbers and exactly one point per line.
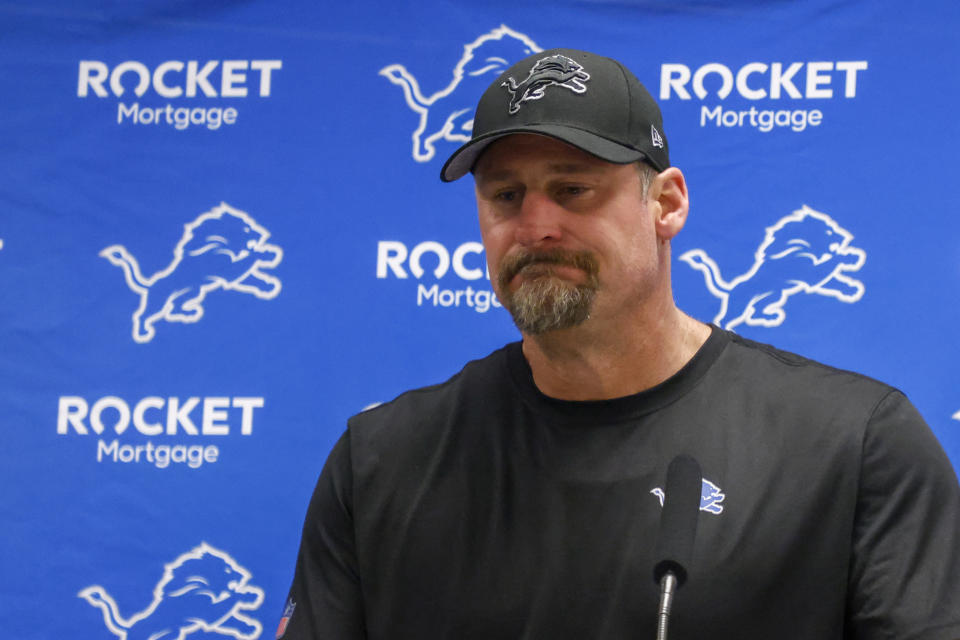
x=572, y=190
x=507, y=195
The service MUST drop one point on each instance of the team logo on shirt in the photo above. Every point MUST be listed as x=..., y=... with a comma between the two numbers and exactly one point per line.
x=556, y=70
x=710, y=497
x=448, y=113
x=804, y=252
x=224, y=248
x=203, y=589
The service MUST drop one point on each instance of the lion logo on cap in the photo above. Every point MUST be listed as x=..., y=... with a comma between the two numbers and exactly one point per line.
x=552, y=70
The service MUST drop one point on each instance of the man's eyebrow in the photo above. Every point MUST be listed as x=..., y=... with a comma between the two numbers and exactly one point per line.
x=576, y=167
x=495, y=175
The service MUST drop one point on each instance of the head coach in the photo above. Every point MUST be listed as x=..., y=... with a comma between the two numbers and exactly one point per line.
x=522, y=498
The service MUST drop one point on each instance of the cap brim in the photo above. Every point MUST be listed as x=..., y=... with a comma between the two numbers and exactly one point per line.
x=463, y=159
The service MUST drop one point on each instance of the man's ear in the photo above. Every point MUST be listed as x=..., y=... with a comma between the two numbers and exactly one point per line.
x=669, y=190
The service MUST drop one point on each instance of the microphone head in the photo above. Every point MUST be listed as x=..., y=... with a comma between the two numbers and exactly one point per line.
x=678, y=521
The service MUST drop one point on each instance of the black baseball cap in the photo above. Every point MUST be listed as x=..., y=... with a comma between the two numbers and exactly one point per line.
x=588, y=101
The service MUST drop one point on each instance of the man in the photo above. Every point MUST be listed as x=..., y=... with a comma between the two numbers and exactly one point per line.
x=522, y=498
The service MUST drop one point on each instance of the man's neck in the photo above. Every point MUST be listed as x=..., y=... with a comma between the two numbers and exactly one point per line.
x=587, y=363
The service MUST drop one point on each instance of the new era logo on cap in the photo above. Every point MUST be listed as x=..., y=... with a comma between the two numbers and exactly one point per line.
x=556, y=70
x=655, y=138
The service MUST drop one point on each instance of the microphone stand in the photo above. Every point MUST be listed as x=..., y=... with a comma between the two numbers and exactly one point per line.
x=668, y=586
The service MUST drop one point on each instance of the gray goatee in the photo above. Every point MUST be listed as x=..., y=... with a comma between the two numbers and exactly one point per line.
x=545, y=302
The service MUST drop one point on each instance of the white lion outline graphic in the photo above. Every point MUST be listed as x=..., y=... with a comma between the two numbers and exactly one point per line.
x=806, y=251
x=483, y=59
x=223, y=248
x=203, y=589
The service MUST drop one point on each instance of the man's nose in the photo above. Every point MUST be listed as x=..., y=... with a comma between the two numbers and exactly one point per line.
x=540, y=219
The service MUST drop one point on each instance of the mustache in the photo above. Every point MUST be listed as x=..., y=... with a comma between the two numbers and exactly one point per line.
x=513, y=264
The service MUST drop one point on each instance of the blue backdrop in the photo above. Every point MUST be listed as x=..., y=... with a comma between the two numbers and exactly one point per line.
x=222, y=233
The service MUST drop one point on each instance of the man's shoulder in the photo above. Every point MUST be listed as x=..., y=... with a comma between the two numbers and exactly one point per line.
x=768, y=366
x=421, y=407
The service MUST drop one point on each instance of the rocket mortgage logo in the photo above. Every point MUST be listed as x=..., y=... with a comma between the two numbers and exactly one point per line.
x=177, y=94
x=761, y=91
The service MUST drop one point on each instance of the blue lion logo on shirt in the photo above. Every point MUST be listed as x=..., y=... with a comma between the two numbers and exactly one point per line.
x=202, y=590
x=710, y=497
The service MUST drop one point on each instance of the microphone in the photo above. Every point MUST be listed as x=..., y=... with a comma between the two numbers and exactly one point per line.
x=678, y=528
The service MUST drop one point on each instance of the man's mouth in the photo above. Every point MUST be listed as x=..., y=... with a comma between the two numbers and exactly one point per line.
x=539, y=270
x=550, y=263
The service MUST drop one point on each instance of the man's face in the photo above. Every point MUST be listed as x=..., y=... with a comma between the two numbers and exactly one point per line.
x=567, y=236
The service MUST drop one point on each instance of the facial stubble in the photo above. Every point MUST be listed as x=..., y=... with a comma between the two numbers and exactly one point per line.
x=544, y=301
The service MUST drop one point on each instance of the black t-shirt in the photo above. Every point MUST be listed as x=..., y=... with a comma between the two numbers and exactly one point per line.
x=482, y=509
